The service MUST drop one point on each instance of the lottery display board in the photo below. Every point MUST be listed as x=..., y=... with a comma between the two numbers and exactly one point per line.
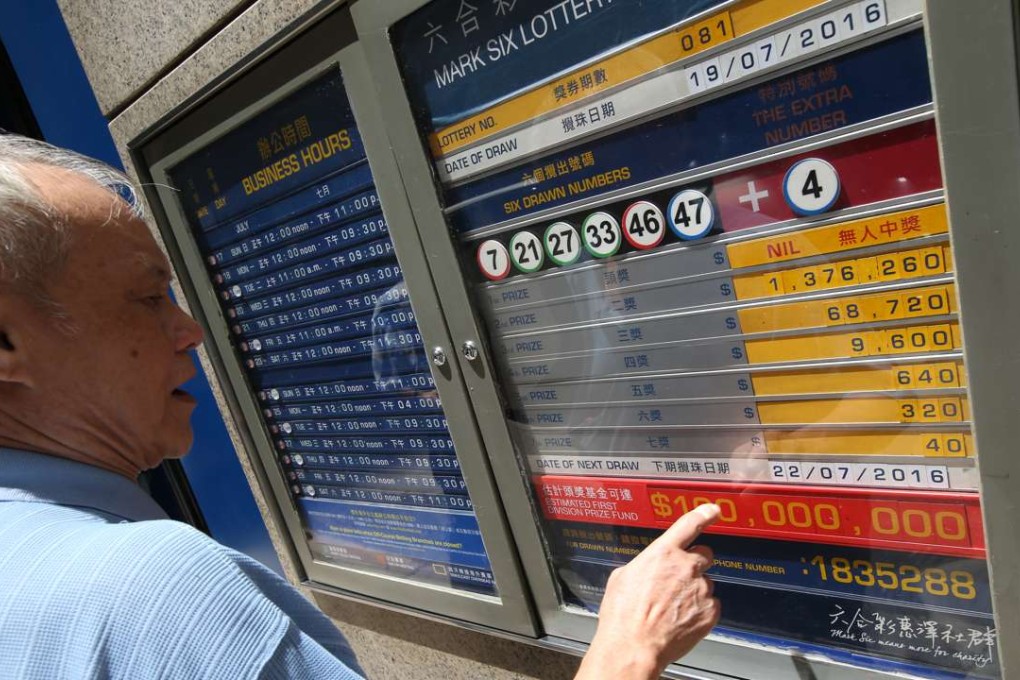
x=285, y=212
x=709, y=244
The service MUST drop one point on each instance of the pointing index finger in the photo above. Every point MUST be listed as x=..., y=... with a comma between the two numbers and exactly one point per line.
x=688, y=527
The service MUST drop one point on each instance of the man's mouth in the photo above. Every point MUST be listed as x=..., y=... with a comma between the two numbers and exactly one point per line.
x=180, y=394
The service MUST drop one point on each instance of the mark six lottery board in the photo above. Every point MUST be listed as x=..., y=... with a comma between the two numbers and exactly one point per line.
x=286, y=215
x=709, y=243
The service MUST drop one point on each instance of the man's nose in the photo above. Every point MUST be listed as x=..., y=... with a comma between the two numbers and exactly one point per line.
x=189, y=334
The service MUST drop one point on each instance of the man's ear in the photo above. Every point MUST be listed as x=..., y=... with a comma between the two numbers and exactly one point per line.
x=13, y=358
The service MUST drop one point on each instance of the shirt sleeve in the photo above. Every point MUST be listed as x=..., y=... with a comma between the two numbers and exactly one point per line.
x=298, y=657
x=312, y=624
x=189, y=607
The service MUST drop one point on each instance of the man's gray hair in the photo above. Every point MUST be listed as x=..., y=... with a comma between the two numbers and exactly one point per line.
x=33, y=236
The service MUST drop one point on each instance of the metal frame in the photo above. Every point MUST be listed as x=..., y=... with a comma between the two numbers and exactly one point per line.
x=511, y=609
x=373, y=19
x=973, y=56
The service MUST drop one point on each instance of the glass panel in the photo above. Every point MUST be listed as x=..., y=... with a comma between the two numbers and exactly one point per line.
x=709, y=244
x=286, y=215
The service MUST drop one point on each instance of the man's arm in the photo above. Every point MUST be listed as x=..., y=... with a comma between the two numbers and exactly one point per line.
x=657, y=607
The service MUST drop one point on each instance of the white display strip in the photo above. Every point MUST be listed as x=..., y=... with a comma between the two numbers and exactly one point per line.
x=672, y=87
x=805, y=38
x=877, y=475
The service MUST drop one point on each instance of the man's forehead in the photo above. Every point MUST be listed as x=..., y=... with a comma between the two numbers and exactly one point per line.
x=74, y=196
x=154, y=266
x=103, y=228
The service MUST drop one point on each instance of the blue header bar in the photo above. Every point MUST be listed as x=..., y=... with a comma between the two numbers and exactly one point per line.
x=461, y=57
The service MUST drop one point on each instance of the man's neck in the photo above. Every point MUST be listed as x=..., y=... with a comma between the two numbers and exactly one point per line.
x=16, y=435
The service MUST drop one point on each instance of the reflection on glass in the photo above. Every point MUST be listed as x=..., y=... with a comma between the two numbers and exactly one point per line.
x=286, y=215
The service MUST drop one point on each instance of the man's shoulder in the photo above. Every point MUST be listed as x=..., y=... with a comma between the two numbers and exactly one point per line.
x=59, y=542
x=148, y=595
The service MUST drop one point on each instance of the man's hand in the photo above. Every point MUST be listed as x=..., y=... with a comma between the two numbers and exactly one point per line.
x=657, y=607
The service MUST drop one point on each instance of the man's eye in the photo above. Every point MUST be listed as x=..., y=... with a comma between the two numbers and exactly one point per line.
x=154, y=300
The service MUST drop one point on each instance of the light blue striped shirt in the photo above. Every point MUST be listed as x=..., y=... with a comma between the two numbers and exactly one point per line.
x=95, y=582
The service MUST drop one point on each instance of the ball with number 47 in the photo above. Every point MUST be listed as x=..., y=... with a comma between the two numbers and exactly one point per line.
x=811, y=186
x=691, y=214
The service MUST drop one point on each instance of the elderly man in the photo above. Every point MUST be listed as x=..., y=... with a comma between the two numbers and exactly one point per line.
x=94, y=580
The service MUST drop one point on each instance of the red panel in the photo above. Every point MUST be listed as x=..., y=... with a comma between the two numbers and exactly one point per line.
x=888, y=165
x=931, y=522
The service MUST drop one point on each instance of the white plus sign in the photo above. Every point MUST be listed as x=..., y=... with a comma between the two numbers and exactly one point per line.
x=753, y=196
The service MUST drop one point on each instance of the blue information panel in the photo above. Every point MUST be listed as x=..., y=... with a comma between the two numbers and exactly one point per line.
x=286, y=215
x=708, y=244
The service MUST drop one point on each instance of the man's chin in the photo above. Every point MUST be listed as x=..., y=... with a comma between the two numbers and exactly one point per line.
x=176, y=447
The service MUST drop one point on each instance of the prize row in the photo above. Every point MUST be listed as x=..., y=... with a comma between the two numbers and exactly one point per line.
x=519, y=339
x=865, y=410
x=903, y=440
x=859, y=377
x=870, y=409
x=706, y=354
x=395, y=328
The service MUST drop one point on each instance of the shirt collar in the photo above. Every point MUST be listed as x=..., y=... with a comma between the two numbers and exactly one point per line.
x=38, y=478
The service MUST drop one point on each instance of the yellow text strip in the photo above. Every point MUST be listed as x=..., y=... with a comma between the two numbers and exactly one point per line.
x=878, y=410
x=840, y=237
x=937, y=375
x=913, y=339
x=902, y=265
x=816, y=442
x=888, y=306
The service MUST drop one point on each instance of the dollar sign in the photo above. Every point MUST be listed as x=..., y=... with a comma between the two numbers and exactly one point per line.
x=661, y=504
